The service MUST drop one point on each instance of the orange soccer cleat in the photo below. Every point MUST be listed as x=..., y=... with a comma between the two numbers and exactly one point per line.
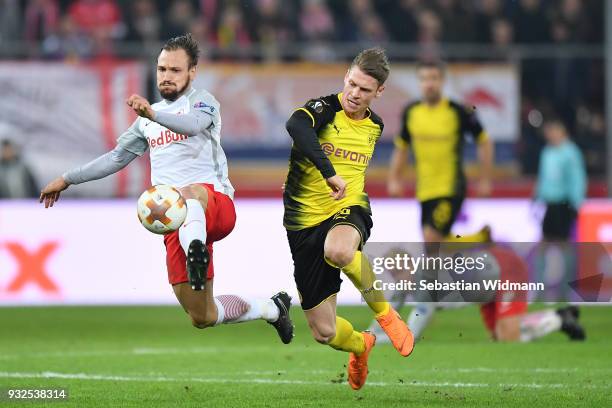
x=358, y=364
x=398, y=332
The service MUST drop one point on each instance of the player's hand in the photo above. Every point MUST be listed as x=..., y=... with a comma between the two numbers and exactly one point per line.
x=141, y=106
x=338, y=186
x=395, y=187
x=51, y=193
x=484, y=188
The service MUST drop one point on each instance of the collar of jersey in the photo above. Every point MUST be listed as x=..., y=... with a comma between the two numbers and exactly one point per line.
x=441, y=103
x=367, y=116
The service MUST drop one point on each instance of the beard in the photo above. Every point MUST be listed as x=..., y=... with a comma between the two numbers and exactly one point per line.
x=173, y=94
x=432, y=97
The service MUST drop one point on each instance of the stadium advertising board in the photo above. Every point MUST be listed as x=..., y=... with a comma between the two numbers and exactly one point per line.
x=256, y=100
x=96, y=252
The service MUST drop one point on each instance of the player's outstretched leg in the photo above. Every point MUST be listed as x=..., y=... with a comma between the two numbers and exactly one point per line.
x=538, y=324
x=569, y=323
x=338, y=333
x=207, y=310
x=283, y=325
x=420, y=317
x=275, y=311
x=341, y=251
x=192, y=235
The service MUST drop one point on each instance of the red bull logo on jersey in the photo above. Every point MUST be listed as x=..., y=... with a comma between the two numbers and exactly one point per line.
x=330, y=150
x=166, y=137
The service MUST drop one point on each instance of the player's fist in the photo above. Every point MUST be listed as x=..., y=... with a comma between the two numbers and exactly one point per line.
x=51, y=193
x=141, y=106
x=395, y=188
x=338, y=186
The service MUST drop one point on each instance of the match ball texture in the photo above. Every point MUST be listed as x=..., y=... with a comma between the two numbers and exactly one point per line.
x=161, y=209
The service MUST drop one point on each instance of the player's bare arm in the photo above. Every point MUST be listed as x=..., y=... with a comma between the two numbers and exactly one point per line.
x=395, y=187
x=105, y=165
x=486, y=153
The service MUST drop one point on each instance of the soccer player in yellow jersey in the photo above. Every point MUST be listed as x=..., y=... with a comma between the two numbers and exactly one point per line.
x=435, y=128
x=327, y=212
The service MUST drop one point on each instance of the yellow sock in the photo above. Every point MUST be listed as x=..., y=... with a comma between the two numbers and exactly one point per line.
x=346, y=338
x=360, y=273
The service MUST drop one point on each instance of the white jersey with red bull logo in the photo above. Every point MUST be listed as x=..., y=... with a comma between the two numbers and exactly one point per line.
x=182, y=159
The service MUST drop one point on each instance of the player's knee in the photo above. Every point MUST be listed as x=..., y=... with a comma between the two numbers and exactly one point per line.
x=339, y=255
x=432, y=235
x=324, y=336
x=195, y=191
x=429, y=235
x=323, y=332
x=203, y=320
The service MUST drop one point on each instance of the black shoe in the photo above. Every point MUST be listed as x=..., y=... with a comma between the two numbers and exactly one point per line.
x=283, y=325
x=197, y=264
x=569, y=323
x=574, y=311
x=487, y=235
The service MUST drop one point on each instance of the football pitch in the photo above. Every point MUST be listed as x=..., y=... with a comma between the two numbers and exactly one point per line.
x=152, y=357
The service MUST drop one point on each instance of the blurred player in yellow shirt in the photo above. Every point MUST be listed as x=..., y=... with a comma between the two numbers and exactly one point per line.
x=435, y=128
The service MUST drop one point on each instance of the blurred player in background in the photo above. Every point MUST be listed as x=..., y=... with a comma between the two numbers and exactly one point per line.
x=506, y=317
x=435, y=128
x=561, y=186
x=562, y=181
x=327, y=212
x=183, y=134
x=504, y=312
x=16, y=178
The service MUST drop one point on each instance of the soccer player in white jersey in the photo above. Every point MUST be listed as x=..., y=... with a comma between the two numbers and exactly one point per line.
x=183, y=134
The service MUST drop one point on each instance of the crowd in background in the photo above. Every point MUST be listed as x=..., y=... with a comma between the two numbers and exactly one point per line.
x=231, y=29
x=94, y=25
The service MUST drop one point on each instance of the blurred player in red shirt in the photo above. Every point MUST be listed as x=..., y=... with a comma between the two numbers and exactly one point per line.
x=504, y=312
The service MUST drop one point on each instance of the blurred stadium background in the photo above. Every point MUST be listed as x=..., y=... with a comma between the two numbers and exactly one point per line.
x=67, y=67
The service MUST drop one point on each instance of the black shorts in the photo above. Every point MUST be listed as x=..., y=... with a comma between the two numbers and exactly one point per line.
x=441, y=213
x=316, y=280
x=558, y=221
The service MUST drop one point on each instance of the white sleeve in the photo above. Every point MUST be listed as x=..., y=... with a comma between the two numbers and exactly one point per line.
x=105, y=165
x=190, y=124
x=205, y=103
x=133, y=139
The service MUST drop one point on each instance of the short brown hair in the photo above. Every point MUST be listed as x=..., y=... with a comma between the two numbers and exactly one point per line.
x=432, y=64
x=184, y=42
x=373, y=62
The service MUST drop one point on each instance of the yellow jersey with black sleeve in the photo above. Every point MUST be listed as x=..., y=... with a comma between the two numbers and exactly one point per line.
x=436, y=135
x=346, y=145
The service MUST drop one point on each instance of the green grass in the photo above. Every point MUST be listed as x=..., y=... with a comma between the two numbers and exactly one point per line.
x=151, y=356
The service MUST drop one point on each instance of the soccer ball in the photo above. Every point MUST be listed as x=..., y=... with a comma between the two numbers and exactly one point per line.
x=161, y=209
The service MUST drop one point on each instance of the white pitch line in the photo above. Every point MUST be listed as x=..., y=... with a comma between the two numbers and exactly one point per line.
x=154, y=351
x=101, y=377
